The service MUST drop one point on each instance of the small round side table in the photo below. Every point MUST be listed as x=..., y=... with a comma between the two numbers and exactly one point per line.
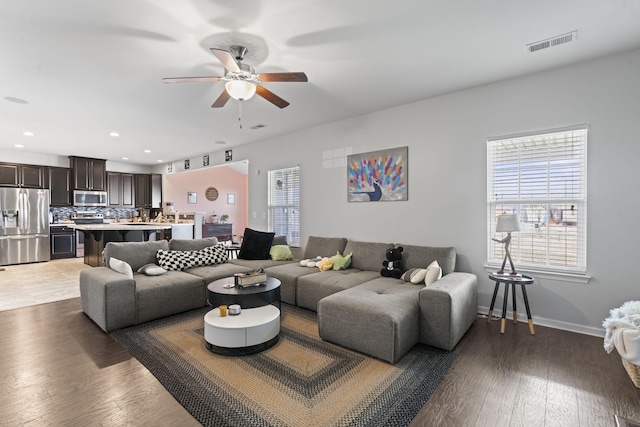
x=507, y=279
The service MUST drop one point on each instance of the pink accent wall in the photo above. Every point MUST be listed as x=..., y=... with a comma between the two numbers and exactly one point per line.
x=226, y=180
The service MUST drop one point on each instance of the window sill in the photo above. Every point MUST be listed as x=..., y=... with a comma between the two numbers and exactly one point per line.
x=545, y=274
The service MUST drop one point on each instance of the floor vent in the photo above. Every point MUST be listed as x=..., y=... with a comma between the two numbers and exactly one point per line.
x=554, y=41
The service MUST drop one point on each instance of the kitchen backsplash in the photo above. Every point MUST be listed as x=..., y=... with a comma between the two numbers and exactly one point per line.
x=64, y=213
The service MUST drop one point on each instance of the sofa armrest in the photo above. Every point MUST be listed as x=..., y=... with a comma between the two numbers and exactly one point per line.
x=448, y=307
x=108, y=298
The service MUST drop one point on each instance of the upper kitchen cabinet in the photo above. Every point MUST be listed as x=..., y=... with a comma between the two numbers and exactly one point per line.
x=59, y=186
x=24, y=176
x=148, y=190
x=89, y=174
x=120, y=189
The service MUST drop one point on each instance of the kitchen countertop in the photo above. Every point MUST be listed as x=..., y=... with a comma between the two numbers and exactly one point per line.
x=120, y=226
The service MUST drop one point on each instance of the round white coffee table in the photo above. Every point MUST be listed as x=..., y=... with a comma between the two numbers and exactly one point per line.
x=252, y=331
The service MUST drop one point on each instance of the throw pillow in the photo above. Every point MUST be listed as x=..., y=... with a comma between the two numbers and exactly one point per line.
x=280, y=253
x=434, y=272
x=414, y=275
x=341, y=262
x=151, y=270
x=255, y=244
x=121, y=267
x=182, y=260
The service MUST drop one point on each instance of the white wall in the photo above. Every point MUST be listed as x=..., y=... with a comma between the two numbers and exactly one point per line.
x=446, y=137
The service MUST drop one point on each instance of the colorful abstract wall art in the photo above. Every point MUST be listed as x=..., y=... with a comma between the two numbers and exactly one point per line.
x=378, y=176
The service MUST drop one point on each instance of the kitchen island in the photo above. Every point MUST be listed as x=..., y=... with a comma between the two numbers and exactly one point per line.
x=94, y=236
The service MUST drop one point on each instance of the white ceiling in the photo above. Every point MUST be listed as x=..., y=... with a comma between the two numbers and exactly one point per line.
x=88, y=67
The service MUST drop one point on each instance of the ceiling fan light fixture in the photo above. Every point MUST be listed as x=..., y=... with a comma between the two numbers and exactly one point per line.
x=240, y=89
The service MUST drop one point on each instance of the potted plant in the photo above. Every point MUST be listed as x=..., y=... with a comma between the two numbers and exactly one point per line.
x=224, y=218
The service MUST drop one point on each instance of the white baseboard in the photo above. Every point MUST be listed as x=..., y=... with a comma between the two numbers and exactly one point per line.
x=551, y=323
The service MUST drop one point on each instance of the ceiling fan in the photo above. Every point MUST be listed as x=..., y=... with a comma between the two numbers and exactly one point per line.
x=242, y=81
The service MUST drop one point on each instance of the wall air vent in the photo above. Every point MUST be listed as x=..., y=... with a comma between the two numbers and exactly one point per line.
x=258, y=127
x=554, y=41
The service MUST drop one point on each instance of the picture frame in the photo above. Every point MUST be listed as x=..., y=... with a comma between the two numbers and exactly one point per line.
x=231, y=199
x=378, y=176
x=192, y=197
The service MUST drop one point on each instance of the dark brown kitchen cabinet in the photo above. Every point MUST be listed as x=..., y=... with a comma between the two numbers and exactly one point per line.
x=148, y=190
x=24, y=176
x=142, y=184
x=89, y=174
x=59, y=183
x=120, y=189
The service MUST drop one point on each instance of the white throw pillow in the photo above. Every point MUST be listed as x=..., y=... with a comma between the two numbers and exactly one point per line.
x=434, y=272
x=151, y=270
x=121, y=267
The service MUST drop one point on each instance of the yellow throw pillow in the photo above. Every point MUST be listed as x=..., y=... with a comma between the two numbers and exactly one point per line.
x=280, y=253
x=341, y=262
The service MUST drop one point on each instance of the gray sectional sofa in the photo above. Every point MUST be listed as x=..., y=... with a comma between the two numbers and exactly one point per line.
x=357, y=307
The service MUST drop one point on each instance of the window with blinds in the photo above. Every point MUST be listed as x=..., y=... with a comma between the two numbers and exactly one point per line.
x=284, y=204
x=542, y=178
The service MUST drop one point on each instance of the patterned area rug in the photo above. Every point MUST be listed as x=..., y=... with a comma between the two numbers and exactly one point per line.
x=301, y=381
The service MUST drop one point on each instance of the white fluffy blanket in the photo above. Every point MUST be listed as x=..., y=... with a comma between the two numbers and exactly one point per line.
x=622, y=331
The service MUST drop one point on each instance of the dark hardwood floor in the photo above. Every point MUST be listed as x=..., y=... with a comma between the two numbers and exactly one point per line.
x=58, y=368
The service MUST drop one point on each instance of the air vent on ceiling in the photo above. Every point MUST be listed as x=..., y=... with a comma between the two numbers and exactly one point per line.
x=554, y=41
x=258, y=126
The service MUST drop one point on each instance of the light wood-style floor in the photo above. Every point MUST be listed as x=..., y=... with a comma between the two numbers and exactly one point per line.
x=41, y=282
x=58, y=368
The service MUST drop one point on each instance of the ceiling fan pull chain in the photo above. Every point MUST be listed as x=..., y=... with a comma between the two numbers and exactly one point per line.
x=240, y=113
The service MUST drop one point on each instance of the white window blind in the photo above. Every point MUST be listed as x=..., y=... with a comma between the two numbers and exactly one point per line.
x=284, y=204
x=541, y=177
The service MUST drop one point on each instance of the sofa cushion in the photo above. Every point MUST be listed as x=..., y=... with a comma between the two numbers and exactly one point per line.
x=121, y=267
x=323, y=246
x=182, y=260
x=191, y=244
x=171, y=293
x=341, y=262
x=255, y=244
x=434, y=272
x=414, y=275
x=280, y=253
x=312, y=288
x=136, y=254
x=279, y=240
x=421, y=256
x=367, y=255
x=151, y=269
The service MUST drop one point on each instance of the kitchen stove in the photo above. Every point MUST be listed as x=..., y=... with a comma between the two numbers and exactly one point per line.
x=85, y=217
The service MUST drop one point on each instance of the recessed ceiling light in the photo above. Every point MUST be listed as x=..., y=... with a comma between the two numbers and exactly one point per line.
x=19, y=146
x=16, y=100
x=114, y=134
x=27, y=133
x=147, y=151
x=125, y=158
x=159, y=161
x=221, y=142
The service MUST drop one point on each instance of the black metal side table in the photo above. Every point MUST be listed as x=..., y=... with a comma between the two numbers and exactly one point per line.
x=513, y=281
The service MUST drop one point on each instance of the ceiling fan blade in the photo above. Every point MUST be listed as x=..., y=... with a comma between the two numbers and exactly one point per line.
x=282, y=77
x=271, y=97
x=191, y=79
x=222, y=100
x=227, y=59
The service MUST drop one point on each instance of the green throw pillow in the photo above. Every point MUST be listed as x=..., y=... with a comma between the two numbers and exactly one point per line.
x=280, y=253
x=341, y=262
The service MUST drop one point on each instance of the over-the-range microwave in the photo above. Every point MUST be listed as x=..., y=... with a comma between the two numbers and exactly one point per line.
x=89, y=198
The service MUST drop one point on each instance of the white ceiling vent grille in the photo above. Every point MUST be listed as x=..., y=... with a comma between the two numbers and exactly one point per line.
x=260, y=126
x=554, y=41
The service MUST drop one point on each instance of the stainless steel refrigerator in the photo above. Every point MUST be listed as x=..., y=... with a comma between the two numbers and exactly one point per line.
x=24, y=225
